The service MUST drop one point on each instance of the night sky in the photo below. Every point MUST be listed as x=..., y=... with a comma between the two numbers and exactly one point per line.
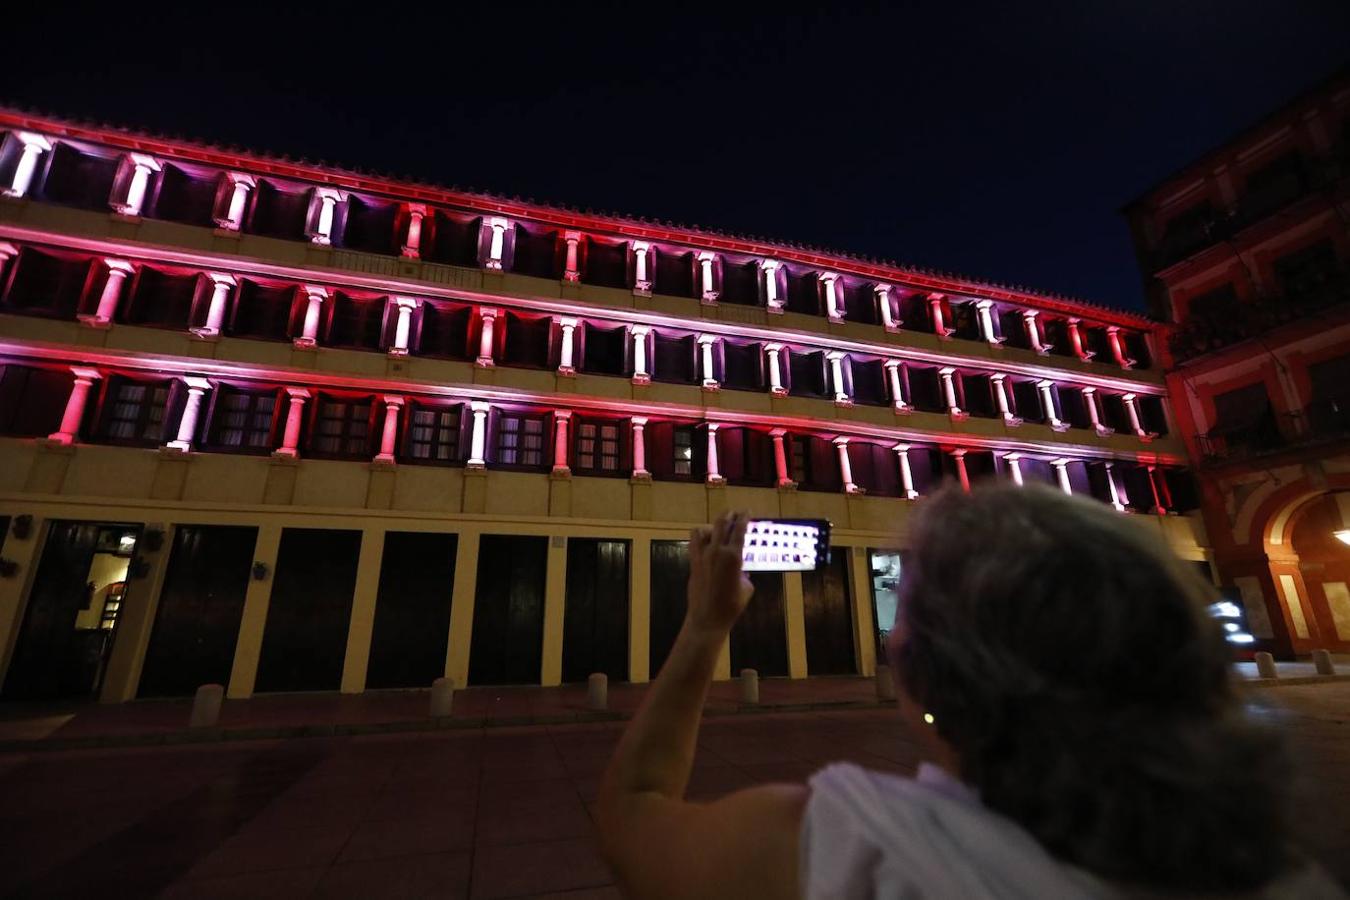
x=998, y=143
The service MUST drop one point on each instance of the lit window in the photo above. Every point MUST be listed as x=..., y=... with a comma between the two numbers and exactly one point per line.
x=244, y=420
x=434, y=434
x=800, y=455
x=342, y=428
x=520, y=440
x=684, y=450
x=597, y=447
x=136, y=412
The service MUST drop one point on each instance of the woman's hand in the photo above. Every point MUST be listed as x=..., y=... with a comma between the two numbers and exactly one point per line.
x=718, y=589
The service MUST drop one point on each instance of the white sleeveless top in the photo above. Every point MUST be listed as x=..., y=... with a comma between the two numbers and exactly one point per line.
x=869, y=834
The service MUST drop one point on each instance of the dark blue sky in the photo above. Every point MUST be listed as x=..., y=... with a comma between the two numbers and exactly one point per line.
x=996, y=142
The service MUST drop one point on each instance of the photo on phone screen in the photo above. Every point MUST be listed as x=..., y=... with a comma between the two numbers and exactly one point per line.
x=785, y=545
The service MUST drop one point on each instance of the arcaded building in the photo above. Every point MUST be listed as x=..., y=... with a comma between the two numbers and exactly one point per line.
x=1247, y=251
x=288, y=427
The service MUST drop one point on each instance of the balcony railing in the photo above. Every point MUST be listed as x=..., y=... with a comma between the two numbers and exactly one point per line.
x=1203, y=333
x=1322, y=420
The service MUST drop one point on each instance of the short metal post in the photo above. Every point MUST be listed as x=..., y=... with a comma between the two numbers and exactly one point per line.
x=1265, y=665
x=206, y=706
x=597, y=691
x=442, y=698
x=1322, y=662
x=749, y=687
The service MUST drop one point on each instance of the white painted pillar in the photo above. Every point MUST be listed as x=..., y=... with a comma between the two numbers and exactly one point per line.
x=1062, y=474
x=1014, y=461
x=187, y=424
x=1076, y=340
x=240, y=185
x=829, y=284
x=1118, y=498
x=707, y=284
x=1117, y=347
x=948, y=374
x=412, y=243
x=485, y=338
x=322, y=211
x=566, y=364
x=403, y=310
x=642, y=282
x=940, y=327
x=118, y=270
x=290, y=436
x=1048, y=404
x=142, y=167
x=899, y=402
x=34, y=145
x=221, y=285
x=389, y=436
x=714, y=476
x=75, y=403
x=560, y=420
x=985, y=310
x=780, y=466
x=836, y=360
x=961, y=474
x=1132, y=410
x=478, y=435
x=906, y=475
x=1030, y=318
x=846, y=467
x=571, y=268
x=309, y=333
x=496, y=244
x=1093, y=403
x=999, y=380
x=640, y=373
x=889, y=320
x=769, y=271
x=640, y=470
x=705, y=343
x=775, y=370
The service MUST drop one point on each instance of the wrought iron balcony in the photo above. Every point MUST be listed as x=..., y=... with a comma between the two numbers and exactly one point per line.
x=1318, y=422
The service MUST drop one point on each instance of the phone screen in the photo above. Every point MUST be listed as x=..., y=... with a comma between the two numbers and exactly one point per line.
x=785, y=545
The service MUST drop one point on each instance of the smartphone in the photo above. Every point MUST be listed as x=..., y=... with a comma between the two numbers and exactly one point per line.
x=786, y=545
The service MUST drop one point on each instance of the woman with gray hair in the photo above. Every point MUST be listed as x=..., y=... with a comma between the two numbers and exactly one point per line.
x=1075, y=706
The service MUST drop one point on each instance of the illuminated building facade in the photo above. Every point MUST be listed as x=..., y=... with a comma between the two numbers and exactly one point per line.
x=1247, y=252
x=345, y=432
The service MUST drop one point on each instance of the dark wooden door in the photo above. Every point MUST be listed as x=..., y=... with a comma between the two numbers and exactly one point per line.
x=197, y=622
x=508, y=610
x=412, y=610
x=595, y=621
x=759, y=638
x=305, y=640
x=51, y=659
x=670, y=580
x=829, y=619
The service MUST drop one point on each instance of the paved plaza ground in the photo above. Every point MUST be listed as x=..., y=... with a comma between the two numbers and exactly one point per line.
x=470, y=811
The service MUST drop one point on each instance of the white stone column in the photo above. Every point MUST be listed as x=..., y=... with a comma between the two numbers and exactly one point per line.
x=829, y=285
x=138, y=182
x=961, y=474
x=34, y=145
x=566, y=353
x=389, y=436
x=714, y=476
x=1062, y=474
x=998, y=381
x=846, y=467
x=707, y=283
x=1014, y=461
x=240, y=185
x=290, y=436
x=780, y=466
x=642, y=282
x=322, y=210
x=496, y=244
x=769, y=272
x=1034, y=339
x=561, y=418
x=705, y=344
x=948, y=374
x=314, y=300
x=187, y=424
x=75, y=403
x=899, y=402
x=1118, y=498
x=403, y=310
x=640, y=373
x=221, y=285
x=486, y=344
x=940, y=327
x=836, y=360
x=571, y=268
x=640, y=471
x=906, y=475
x=1076, y=340
x=1093, y=403
x=985, y=310
x=412, y=244
x=775, y=370
x=1117, y=347
x=108, y=298
x=888, y=317
x=1131, y=402
x=478, y=435
x=1047, y=389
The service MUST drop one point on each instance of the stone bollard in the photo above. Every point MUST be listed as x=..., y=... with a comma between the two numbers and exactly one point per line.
x=1322, y=662
x=749, y=687
x=206, y=706
x=442, y=698
x=597, y=691
x=885, y=683
x=1265, y=665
